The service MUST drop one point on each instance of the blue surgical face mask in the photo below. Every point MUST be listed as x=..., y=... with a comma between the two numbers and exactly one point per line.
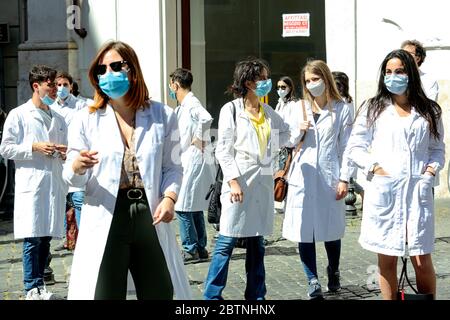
x=114, y=84
x=63, y=92
x=47, y=100
x=396, y=83
x=263, y=87
x=172, y=94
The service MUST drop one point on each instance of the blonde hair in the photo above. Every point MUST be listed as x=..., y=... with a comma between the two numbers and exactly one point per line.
x=137, y=96
x=320, y=68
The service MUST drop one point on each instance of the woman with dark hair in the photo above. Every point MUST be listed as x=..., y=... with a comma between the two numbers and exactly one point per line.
x=403, y=130
x=286, y=92
x=249, y=130
x=121, y=150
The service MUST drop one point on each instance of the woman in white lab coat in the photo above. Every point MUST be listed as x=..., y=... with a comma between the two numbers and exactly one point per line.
x=250, y=132
x=121, y=149
x=194, y=123
x=318, y=177
x=403, y=130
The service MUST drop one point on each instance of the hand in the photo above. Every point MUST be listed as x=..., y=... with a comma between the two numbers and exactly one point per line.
x=62, y=150
x=86, y=160
x=236, y=194
x=304, y=125
x=46, y=148
x=200, y=144
x=341, y=191
x=164, y=212
x=380, y=171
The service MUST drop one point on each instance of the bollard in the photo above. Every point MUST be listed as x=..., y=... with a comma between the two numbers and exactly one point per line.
x=350, y=200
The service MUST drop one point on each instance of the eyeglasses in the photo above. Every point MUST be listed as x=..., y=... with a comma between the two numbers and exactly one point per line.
x=281, y=87
x=116, y=66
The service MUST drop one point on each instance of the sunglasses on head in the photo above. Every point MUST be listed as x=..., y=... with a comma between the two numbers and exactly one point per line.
x=281, y=87
x=116, y=66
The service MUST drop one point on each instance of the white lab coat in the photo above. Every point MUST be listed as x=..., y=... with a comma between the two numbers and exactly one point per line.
x=312, y=212
x=198, y=167
x=156, y=138
x=397, y=208
x=238, y=153
x=67, y=110
x=39, y=194
x=285, y=108
x=429, y=85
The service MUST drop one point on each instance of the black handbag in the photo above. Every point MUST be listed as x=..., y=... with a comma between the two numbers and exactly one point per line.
x=215, y=190
x=402, y=295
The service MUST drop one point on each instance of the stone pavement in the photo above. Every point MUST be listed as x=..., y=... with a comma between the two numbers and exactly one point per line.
x=285, y=279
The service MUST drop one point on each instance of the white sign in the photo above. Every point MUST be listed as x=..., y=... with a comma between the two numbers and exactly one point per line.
x=296, y=25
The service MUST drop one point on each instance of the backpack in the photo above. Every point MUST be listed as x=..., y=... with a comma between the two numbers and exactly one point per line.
x=215, y=190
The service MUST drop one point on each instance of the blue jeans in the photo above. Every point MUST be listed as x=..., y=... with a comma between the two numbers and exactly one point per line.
x=75, y=199
x=254, y=268
x=307, y=252
x=34, y=257
x=192, y=231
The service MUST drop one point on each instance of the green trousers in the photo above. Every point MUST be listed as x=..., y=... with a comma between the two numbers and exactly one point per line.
x=133, y=245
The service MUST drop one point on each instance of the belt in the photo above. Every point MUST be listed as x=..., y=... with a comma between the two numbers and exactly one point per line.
x=133, y=193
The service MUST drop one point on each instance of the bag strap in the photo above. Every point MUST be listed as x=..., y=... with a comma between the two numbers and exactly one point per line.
x=299, y=146
x=404, y=276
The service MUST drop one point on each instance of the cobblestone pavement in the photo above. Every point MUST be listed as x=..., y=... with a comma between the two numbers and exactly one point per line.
x=285, y=279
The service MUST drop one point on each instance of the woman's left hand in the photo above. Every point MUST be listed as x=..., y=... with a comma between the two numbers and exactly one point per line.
x=164, y=212
x=341, y=191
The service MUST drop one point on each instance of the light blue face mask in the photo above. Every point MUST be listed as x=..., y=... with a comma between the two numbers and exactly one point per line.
x=47, y=100
x=396, y=83
x=63, y=92
x=172, y=94
x=114, y=84
x=263, y=87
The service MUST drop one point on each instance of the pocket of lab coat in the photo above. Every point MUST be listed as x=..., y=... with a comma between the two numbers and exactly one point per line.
x=426, y=184
x=381, y=194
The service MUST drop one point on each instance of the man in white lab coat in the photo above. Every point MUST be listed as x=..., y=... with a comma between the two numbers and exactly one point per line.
x=198, y=166
x=429, y=84
x=35, y=137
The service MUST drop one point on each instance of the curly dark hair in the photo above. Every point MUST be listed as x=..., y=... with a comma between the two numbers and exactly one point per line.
x=249, y=69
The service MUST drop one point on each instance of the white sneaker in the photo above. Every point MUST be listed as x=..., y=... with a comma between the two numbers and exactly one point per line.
x=33, y=294
x=47, y=295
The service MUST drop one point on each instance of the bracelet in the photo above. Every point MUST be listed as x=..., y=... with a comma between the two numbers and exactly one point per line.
x=166, y=196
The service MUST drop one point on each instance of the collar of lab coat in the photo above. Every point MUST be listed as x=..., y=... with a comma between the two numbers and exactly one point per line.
x=391, y=109
x=186, y=98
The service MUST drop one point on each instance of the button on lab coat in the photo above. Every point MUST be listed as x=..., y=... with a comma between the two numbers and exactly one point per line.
x=398, y=208
x=40, y=192
x=156, y=137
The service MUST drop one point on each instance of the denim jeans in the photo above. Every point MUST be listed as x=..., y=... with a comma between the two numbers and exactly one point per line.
x=254, y=268
x=34, y=257
x=192, y=231
x=76, y=199
x=307, y=252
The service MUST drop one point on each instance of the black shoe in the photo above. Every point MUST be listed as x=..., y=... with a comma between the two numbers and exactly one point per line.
x=334, y=283
x=189, y=258
x=203, y=254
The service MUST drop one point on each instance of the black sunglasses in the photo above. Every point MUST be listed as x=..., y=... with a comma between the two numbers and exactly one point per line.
x=281, y=87
x=116, y=66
